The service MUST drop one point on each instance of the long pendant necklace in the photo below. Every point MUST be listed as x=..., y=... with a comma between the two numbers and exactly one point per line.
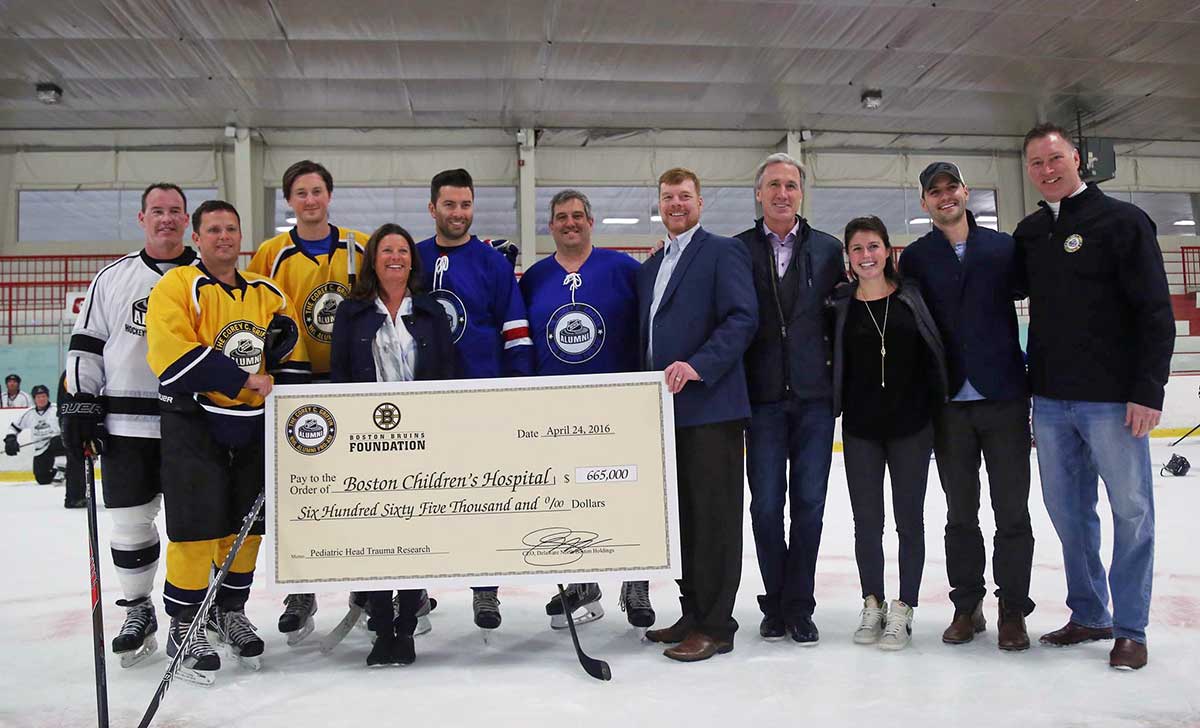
x=882, y=344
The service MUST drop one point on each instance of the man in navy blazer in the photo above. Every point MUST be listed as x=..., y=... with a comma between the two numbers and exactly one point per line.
x=968, y=276
x=698, y=314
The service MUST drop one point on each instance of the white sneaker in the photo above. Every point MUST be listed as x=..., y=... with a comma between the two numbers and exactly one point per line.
x=870, y=621
x=897, y=632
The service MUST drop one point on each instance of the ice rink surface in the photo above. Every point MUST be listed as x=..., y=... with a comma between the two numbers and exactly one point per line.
x=528, y=675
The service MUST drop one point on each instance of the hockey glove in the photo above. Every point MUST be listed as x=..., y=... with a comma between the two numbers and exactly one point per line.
x=508, y=249
x=281, y=339
x=83, y=423
x=10, y=445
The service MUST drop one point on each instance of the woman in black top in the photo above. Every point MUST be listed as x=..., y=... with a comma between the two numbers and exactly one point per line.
x=889, y=372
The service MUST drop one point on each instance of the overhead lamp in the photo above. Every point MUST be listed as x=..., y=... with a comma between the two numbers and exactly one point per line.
x=656, y=218
x=290, y=220
x=49, y=93
x=872, y=98
x=282, y=229
x=919, y=221
x=986, y=218
x=1184, y=223
x=620, y=221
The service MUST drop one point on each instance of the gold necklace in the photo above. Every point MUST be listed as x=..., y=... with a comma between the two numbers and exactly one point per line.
x=882, y=344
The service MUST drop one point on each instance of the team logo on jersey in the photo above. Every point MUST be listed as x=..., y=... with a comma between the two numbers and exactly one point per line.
x=320, y=308
x=1073, y=243
x=575, y=333
x=311, y=429
x=242, y=342
x=456, y=312
x=137, y=317
x=386, y=416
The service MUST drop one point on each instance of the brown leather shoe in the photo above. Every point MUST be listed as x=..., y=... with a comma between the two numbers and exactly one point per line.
x=1011, y=633
x=1074, y=634
x=1127, y=654
x=965, y=626
x=698, y=646
x=673, y=634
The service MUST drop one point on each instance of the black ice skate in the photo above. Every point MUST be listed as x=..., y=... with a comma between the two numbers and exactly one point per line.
x=425, y=605
x=487, y=611
x=200, y=661
x=584, y=603
x=297, y=618
x=238, y=634
x=635, y=602
x=136, y=641
x=392, y=649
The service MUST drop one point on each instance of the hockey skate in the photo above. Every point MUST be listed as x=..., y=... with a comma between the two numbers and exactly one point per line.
x=136, y=641
x=487, y=611
x=297, y=618
x=635, y=602
x=583, y=601
x=424, y=607
x=200, y=661
x=356, y=614
x=237, y=633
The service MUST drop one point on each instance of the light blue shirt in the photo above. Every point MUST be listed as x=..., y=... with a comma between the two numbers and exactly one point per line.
x=968, y=393
x=671, y=254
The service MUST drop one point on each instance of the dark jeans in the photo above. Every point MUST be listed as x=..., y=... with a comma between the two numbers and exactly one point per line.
x=1000, y=430
x=789, y=448
x=709, y=467
x=907, y=461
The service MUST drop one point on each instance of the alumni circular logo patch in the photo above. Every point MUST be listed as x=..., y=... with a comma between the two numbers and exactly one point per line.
x=242, y=341
x=320, y=309
x=456, y=312
x=1073, y=243
x=575, y=333
x=311, y=429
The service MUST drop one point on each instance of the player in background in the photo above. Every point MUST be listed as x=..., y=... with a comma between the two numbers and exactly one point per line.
x=310, y=263
x=215, y=340
x=113, y=405
x=42, y=422
x=582, y=304
x=476, y=287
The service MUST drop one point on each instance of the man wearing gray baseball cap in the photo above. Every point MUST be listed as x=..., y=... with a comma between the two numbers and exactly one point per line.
x=968, y=276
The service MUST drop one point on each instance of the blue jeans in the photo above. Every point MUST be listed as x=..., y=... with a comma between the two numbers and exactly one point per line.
x=798, y=433
x=1078, y=442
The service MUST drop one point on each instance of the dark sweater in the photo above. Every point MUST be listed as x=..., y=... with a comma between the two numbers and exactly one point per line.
x=791, y=354
x=1100, y=322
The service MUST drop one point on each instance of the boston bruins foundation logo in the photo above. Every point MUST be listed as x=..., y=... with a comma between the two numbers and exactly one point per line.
x=456, y=312
x=242, y=342
x=320, y=308
x=311, y=429
x=386, y=416
x=575, y=333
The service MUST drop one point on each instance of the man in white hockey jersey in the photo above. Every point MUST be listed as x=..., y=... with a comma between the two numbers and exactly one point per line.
x=113, y=407
x=46, y=443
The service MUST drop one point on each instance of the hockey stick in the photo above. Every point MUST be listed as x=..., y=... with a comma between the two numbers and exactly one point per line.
x=351, y=268
x=596, y=668
x=89, y=473
x=1197, y=427
x=199, y=620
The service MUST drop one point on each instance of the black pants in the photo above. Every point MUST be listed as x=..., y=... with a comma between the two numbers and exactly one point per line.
x=709, y=461
x=43, y=462
x=383, y=617
x=1000, y=430
x=907, y=462
x=76, y=487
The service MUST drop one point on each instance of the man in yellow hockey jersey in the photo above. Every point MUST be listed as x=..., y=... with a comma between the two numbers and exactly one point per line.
x=310, y=263
x=217, y=341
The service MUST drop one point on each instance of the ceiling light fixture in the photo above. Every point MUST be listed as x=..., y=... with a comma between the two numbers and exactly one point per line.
x=290, y=220
x=282, y=229
x=919, y=221
x=872, y=98
x=1185, y=223
x=985, y=218
x=49, y=93
x=620, y=221
x=656, y=218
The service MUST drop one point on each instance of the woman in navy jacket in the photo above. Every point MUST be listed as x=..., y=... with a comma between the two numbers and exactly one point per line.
x=388, y=330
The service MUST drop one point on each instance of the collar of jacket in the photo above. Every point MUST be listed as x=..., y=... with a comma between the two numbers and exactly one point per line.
x=1074, y=204
x=802, y=231
x=972, y=230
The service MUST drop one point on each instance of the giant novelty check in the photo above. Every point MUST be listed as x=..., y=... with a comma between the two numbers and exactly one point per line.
x=469, y=482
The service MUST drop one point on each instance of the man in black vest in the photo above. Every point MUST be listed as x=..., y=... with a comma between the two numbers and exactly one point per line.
x=788, y=369
x=969, y=276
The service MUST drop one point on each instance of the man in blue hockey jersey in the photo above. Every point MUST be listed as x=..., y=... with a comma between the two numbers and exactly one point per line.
x=582, y=304
x=475, y=285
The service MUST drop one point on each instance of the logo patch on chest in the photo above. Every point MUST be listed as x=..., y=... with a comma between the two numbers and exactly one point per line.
x=320, y=309
x=1073, y=243
x=242, y=342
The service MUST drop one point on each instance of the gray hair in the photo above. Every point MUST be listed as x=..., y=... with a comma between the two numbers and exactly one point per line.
x=566, y=196
x=780, y=158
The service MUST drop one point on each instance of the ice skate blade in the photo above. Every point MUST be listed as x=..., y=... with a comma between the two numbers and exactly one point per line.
x=295, y=638
x=253, y=664
x=424, y=626
x=204, y=678
x=133, y=657
x=641, y=633
x=486, y=634
x=584, y=613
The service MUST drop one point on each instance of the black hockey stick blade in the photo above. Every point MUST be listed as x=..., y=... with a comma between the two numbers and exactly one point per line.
x=596, y=668
x=89, y=474
x=1197, y=427
x=200, y=618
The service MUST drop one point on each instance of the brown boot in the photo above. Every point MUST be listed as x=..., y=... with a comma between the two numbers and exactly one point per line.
x=1011, y=633
x=965, y=626
x=1127, y=654
x=677, y=632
